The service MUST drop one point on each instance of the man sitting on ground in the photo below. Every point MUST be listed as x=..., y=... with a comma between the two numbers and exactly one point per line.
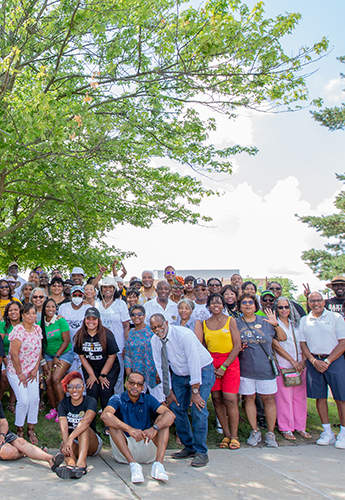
x=132, y=437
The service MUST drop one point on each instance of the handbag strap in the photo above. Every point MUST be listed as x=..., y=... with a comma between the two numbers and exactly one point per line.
x=294, y=338
x=262, y=347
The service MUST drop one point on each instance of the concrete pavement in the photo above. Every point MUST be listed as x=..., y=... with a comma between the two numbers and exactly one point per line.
x=289, y=472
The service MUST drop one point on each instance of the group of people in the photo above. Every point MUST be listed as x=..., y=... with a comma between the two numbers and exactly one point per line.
x=151, y=355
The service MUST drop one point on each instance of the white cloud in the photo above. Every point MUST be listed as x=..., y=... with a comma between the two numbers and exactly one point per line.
x=259, y=234
x=334, y=90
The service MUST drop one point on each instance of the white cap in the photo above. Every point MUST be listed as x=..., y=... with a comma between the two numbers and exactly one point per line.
x=109, y=281
x=78, y=270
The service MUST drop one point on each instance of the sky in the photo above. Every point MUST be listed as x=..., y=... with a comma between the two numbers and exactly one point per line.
x=254, y=227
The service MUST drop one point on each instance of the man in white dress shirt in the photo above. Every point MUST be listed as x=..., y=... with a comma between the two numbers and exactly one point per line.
x=161, y=304
x=186, y=370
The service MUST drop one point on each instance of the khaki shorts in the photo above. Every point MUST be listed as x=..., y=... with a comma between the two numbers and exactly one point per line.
x=143, y=453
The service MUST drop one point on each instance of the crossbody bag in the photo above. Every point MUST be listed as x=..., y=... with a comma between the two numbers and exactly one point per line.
x=273, y=362
x=291, y=377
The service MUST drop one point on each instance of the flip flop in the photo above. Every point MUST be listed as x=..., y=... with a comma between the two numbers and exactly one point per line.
x=57, y=461
x=224, y=443
x=66, y=472
x=234, y=444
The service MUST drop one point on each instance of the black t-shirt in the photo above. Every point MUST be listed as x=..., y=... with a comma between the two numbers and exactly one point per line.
x=335, y=305
x=93, y=352
x=75, y=413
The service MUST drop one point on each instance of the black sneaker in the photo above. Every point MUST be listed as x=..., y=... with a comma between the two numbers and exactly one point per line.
x=200, y=460
x=262, y=423
x=183, y=454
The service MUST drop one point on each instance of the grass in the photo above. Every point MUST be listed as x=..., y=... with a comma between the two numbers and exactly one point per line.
x=49, y=435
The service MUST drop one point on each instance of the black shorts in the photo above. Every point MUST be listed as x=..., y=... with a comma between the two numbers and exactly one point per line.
x=11, y=436
x=334, y=377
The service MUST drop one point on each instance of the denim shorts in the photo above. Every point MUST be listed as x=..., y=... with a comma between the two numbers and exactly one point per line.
x=68, y=357
x=334, y=377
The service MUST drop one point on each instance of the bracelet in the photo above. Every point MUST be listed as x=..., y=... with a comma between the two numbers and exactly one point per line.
x=102, y=375
x=21, y=375
x=43, y=362
x=313, y=361
x=223, y=367
x=275, y=326
x=327, y=361
x=56, y=356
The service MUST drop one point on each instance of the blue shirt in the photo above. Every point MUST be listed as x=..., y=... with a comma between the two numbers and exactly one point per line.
x=138, y=415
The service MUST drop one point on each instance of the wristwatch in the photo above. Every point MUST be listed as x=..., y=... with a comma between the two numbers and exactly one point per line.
x=102, y=375
x=327, y=362
x=155, y=426
x=195, y=391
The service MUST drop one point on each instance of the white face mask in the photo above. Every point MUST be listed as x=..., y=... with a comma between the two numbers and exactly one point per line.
x=77, y=300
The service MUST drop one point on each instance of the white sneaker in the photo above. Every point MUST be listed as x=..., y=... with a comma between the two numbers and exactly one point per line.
x=326, y=438
x=158, y=472
x=340, y=442
x=136, y=473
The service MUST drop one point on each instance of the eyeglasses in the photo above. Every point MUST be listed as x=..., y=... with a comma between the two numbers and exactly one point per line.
x=158, y=327
x=132, y=383
x=5, y=286
x=315, y=301
x=275, y=288
x=133, y=315
x=283, y=307
x=170, y=272
x=268, y=299
x=38, y=297
x=247, y=302
x=70, y=387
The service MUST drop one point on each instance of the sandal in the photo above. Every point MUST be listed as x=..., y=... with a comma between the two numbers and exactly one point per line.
x=11, y=407
x=32, y=436
x=20, y=432
x=65, y=472
x=79, y=472
x=57, y=461
x=304, y=434
x=288, y=435
x=224, y=443
x=234, y=444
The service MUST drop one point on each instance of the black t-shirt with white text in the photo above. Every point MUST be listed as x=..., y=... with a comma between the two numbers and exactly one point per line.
x=335, y=305
x=93, y=351
x=74, y=414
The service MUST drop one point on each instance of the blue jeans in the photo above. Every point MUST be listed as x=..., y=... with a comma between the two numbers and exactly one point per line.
x=192, y=440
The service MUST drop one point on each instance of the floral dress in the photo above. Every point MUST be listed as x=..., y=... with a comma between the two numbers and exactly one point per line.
x=138, y=354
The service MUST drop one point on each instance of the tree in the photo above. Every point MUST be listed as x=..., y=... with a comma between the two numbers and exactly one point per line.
x=91, y=92
x=328, y=263
x=332, y=118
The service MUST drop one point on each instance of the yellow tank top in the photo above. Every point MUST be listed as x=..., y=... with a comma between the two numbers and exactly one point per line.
x=218, y=340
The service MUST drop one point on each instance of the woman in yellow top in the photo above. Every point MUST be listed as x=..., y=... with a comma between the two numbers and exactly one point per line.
x=222, y=339
x=5, y=296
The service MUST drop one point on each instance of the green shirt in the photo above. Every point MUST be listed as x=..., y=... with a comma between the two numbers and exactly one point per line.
x=3, y=332
x=54, y=336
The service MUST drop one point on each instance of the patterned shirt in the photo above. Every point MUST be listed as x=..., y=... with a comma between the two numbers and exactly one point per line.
x=138, y=354
x=30, y=350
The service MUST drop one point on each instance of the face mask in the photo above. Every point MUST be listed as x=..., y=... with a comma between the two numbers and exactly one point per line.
x=77, y=300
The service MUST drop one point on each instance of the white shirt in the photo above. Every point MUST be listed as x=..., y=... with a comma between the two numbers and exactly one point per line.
x=289, y=345
x=186, y=355
x=74, y=317
x=113, y=318
x=200, y=312
x=170, y=313
x=322, y=334
x=17, y=291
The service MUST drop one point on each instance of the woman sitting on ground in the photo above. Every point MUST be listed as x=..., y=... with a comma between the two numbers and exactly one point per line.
x=76, y=419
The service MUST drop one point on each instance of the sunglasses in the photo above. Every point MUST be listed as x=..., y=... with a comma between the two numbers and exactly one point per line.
x=4, y=286
x=283, y=307
x=214, y=284
x=268, y=299
x=70, y=387
x=38, y=297
x=170, y=272
x=132, y=383
x=248, y=302
x=275, y=288
x=133, y=315
x=176, y=287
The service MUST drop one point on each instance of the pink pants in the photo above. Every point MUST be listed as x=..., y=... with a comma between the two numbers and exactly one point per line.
x=291, y=405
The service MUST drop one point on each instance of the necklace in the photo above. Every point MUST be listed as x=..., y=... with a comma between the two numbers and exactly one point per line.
x=106, y=304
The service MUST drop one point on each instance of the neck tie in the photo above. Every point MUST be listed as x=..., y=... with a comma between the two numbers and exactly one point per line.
x=165, y=368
